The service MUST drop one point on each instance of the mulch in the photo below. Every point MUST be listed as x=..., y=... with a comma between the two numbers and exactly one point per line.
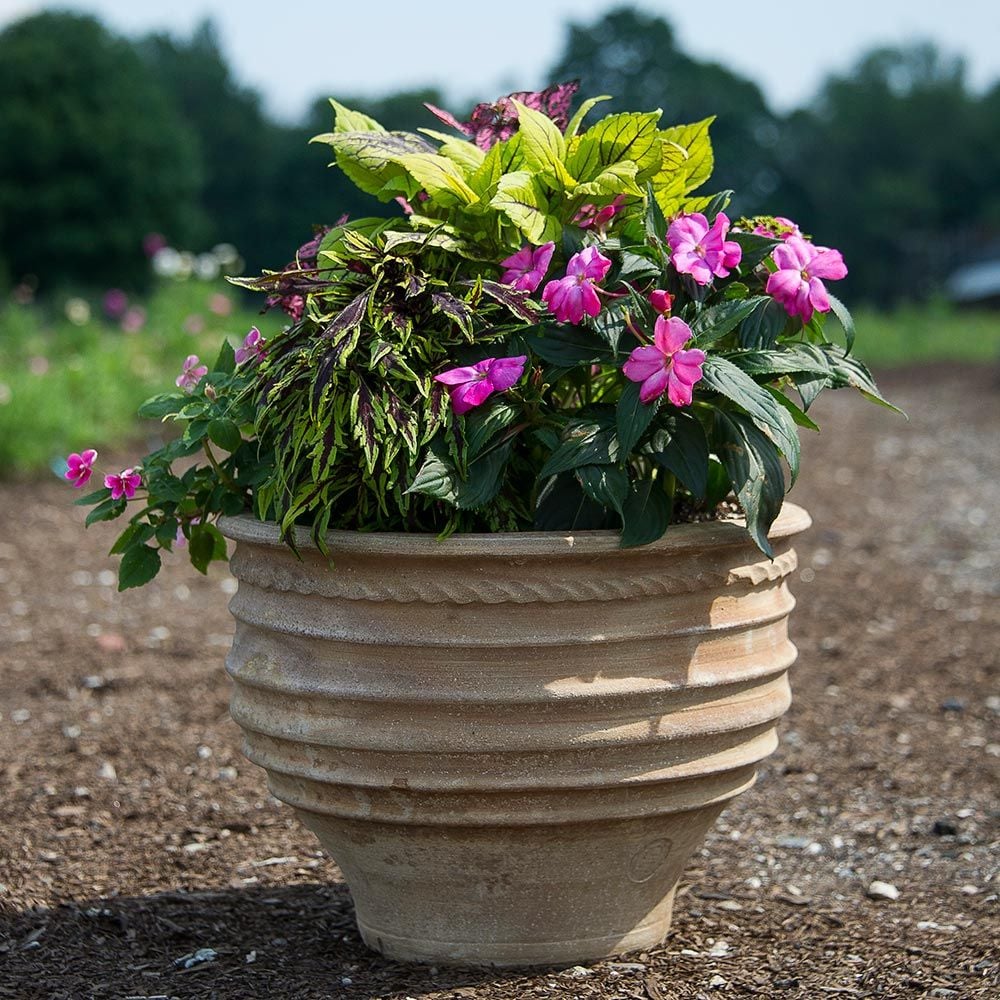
x=141, y=856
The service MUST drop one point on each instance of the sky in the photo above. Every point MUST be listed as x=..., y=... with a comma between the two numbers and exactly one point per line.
x=297, y=51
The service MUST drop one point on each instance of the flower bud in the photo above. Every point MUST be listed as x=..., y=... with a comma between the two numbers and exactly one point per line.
x=661, y=301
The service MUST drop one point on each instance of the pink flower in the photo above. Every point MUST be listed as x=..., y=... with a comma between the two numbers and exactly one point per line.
x=221, y=305
x=796, y=284
x=152, y=242
x=134, y=319
x=191, y=374
x=663, y=365
x=474, y=385
x=660, y=300
x=700, y=250
x=80, y=467
x=572, y=296
x=527, y=267
x=592, y=217
x=253, y=347
x=781, y=227
x=124, y=484
x=115, y=303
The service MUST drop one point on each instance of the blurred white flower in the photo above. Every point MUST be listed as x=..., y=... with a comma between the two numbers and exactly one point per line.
x=77, y=311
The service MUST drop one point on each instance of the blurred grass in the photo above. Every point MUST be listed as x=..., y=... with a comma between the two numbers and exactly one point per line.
x=65, y=387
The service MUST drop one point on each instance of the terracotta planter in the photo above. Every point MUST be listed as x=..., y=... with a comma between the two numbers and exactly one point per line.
x=511, y=744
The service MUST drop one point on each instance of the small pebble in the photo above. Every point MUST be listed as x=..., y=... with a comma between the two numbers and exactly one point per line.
x=107, y=772
x=969, y=890
x=578, y=972
x=798, y=843
x=716, y=981
x=953, y=705
x=720, y=949
x=883, y=890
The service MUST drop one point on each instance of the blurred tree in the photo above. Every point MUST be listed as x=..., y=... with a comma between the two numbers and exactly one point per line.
x=635, y=58
x=896, y=165
x=93, y=155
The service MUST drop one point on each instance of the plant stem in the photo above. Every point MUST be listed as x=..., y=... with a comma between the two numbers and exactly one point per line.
x=224, y=476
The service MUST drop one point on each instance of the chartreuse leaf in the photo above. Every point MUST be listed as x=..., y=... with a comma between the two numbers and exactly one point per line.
x=754, y=468
x=645, y=513
x=346, y=120
x=608, y=485
x=543, y=146
x=682, y=449
x=520, y=198
x=686, y=163
x=584, y=442
x=724, y=377
x=714, y=323
x=440, y=177
x=371, y=158
x=629, y=136
x=632, y=417
x=138, y=566
x=617, y=179
x=461, y=151
x=577, y=120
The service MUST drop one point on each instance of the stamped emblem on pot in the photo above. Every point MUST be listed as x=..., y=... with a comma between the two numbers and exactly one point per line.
x=649, y=859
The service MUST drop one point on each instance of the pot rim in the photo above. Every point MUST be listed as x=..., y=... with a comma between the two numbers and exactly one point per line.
x=791, y=520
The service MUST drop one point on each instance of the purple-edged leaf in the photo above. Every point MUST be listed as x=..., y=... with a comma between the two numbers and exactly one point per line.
x=454, y=307
x=349, y=317
x=516, y=301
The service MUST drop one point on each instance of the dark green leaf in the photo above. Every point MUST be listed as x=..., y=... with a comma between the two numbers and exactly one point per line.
x=163, y=405
x=761, y=329
x=91, y=498
x=437, y=477
x=797, y=415
x=134, y=534
x=810, y=386
x=636, y=267
x=166, y=533
x=568, y=346
x=846, y=370
x=791, y=358
x=846, y=319
x=633, y=417
x=207, y=543
x=226, y=361
x=138, y=566
x=225, y=433
x=608, y=485
x=754, y=468
x=106, y=511
x=165, y=487
x=755, y=248
x=718, y=487
x=656, y=223
x=584, y=442
x=483, y=480
x=483, y=424
x=719, y=203
x=563, y=506
x=724, y=377
x=645, y=513
x=716, y=321
x=683, y=450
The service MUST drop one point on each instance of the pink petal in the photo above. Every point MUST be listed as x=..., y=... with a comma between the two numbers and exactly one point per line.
x=589, y=299
x=678, y=392
x=470, y=394
x=817, y=295
x=519, y=261
x=670, y=334
x=827, y=264
x=688, y=374
x=456, y=376
x=687, y=229
x=732, y=254
x=504, y=372
x=793, y=255
x=653, y=387
x=784, y=285
x=643, y=362
x=89, y=456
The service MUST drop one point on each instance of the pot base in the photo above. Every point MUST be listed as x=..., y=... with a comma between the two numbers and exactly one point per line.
x=514, y=896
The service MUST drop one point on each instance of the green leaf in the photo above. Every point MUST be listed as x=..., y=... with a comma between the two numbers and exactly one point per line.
x=796, y=414
x=564, y=506
x=163, y=486
x=724, y=377
x=795, y=357
x=714, y=323
x=138, y=566
x=91, y=498
x=632, y=417
x=577, y=120
x=485, y=423
x=608, y=485
x=755, y=248
x=645, y=513
x=629, y=136
x=762, y=328
x=522, y=201
x=226, y=361
x=207, y=544
x=682, y=448
x=655, y=221
x=166, y=533
x=371, y=158
x=106, y=511
x=846, y=370
x=687, y=162
x=845, y=318
x=346, y=120
x=134, y=534
x=584, y=442
x=225, y=433
x=543, y=146
x=437, y=476
x=439, y=177
x=754, y=468
x=568, y=346
x=163, y=405
x=483, y=480
x=619, y=178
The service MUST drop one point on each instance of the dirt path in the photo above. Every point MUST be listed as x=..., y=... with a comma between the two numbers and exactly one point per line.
x=132, y=833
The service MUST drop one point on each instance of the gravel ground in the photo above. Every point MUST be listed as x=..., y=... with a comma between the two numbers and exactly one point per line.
x=132, y=834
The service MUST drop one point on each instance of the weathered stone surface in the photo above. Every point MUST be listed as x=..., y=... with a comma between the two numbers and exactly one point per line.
x=511, y=744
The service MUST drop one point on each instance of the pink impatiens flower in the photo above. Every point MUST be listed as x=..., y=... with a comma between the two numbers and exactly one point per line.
x=796, y=284
x=253, y=347
x=527, y=267
x=662, y=301
x=592, y=217
x=474, y=385
x=702, y=250
x=782, y=228
x=80, y=467
x=191, y=374
x=662, y=365
x=572, y=296
x=124, y=484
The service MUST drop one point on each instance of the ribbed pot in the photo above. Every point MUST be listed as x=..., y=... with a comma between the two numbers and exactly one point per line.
x=511, y=744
